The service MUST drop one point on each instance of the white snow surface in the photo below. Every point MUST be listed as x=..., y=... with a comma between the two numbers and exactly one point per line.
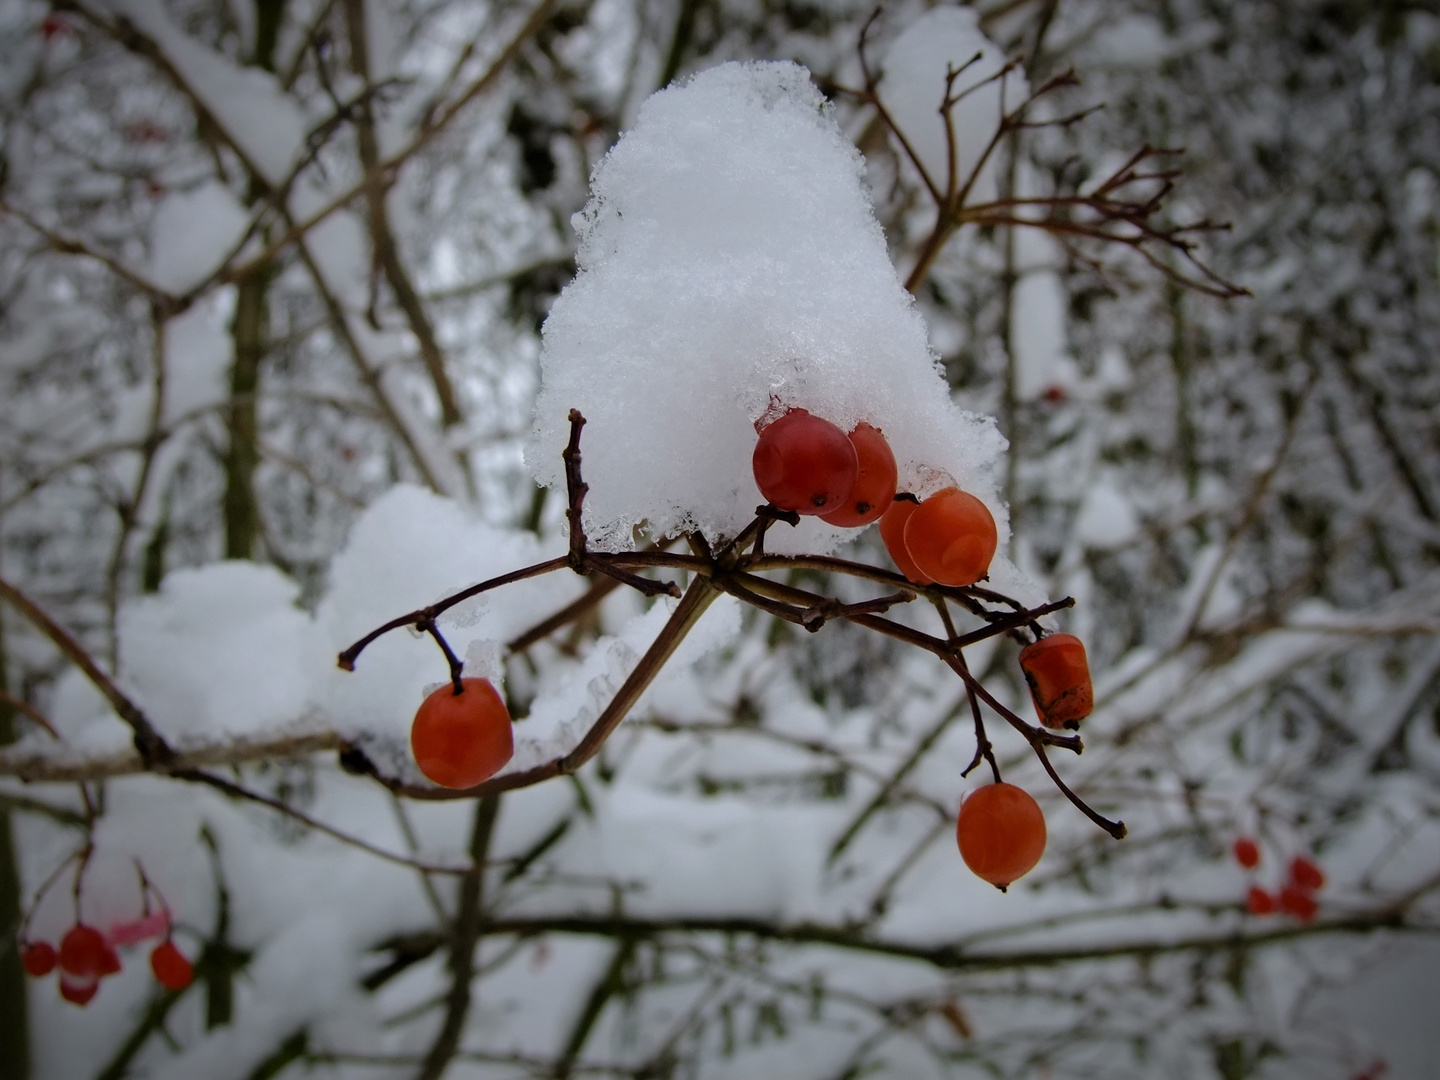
x=913, y=89
x=221, y=649
x=730, y=259
x=192, y=234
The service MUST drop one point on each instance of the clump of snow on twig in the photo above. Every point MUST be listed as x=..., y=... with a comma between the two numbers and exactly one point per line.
x=730, y=259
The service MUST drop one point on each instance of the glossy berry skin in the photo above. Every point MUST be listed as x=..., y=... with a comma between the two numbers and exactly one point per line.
x=1001, y=833
x=171, y=969
x=84, y=953
x=1260, y=902
x=1059, y=678
x=874, y=489
x=1298, y=902
x=78, y=990
x=39, y=959
x=1247, y=852
x=892, y=531
x=805, y=464
x=460, y=740
x=951, y=537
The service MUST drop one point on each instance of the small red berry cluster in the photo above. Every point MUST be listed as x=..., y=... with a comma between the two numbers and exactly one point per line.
x=86, y=956
x=1296, y=895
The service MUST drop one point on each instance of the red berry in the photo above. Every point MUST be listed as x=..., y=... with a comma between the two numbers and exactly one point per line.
x=55, y=26
x=1059, y=678
x=1304, y=874
x=1259, y=902
x=78, y=990
x=1001, y=833
x=83, y=952
x=1298, y=902
x=805, y=464
x=460, y=740
x=874, y=489
x=171, y=969
x=951, y=537
x=1247, y=852
x=892, y=531
x=39, y=958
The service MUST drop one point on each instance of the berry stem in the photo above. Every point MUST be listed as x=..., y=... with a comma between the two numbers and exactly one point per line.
x=456, y=664
x=983, y=750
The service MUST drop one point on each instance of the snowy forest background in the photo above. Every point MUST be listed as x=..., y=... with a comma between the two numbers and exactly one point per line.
x=272, y=277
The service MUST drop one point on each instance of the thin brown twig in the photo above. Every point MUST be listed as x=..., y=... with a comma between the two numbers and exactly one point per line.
x=237, y=791
x=33, y=713
x=391, y=165
x=149, y=744
x=69, y=245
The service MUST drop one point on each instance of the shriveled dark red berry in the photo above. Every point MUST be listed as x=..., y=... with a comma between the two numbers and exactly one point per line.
x=1059, y=676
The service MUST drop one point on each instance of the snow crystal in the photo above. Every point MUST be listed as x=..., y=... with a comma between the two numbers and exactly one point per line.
x=913, y=88
x=729, y=257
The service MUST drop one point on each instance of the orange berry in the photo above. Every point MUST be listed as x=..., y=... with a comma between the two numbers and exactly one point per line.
x=805, y=464
x=892, y=531
x=1001, y=833
x=1059, y=678
x=951, y=537
x=172, y=970
x=460, y=740
x=1247, y=852
x=874, y=489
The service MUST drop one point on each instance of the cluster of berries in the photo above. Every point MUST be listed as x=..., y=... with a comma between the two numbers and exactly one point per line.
x=1295, y=897
x=461, y=734
x=1001, y=830
x=806, y=464
x=86, y=956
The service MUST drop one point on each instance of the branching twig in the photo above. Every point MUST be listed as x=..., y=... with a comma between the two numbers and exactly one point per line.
x=149, y=744
x=236, y=791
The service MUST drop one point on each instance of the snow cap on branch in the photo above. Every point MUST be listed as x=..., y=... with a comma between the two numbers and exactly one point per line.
x=729, y=257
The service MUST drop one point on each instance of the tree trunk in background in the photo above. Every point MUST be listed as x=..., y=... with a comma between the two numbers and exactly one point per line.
x=250, y=331
x=14, y=1021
